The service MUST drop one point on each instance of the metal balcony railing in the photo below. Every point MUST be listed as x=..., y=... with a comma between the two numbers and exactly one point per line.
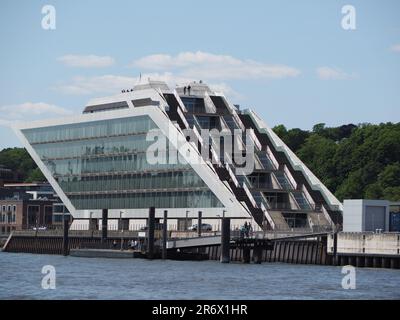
x=260, y=199
x=283, y=181
x=280, y=206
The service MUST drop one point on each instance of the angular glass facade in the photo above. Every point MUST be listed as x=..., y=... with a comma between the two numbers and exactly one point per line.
x=103, y=164
x=100, y=161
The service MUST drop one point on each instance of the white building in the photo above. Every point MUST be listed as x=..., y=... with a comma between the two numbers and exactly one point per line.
x=98, y=160
x=361, y=215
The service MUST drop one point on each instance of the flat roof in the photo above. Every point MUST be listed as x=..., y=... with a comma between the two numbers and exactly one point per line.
x=27, y=184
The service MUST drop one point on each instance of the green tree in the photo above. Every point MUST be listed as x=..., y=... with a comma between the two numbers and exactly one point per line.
x=392, y=194
x=319, y=128
x=35, y=176
x=352, y=187
x=390, y=176
x=295, y=138
x=20, y=162
x=281, y=131
x=373, y=191
x=318, y=154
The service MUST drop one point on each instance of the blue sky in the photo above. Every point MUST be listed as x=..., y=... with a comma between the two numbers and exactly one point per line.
x=290, y=61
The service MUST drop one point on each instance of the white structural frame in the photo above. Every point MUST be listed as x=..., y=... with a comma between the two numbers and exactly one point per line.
x=232, y=207
x=297, y=164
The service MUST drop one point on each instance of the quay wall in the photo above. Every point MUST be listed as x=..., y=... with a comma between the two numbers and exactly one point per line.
x=359, y=250
x=291, y=251
x=54, y=244
x=366, y=243
x=365, y=249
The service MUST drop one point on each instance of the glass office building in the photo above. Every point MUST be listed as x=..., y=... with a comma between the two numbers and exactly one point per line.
x=102, y=164
x=99, y=160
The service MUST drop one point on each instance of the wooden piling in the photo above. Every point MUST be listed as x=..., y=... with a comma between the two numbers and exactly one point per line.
x=360, y=261
x=376, y=262
x=257, y=254
x=104, y=225
x=65, y=235
x=164, y=243
x=150, y=235
x=246, y=255
x=352, y=261
x=225, y=240
x=385, y=262
x=368, y=262
x=199, y=223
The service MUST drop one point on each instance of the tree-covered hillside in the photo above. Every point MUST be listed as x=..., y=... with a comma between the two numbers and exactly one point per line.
x=20, y=162
x=353, y=161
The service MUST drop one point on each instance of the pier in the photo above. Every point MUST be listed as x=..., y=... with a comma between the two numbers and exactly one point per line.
x=372, y=250
x=85, y=243
x=306, y=249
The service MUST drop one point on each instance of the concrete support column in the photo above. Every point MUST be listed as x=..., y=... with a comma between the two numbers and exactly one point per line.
x=199, y=224
x=225, y=240
x=394, y=263
x=150, y=234
x=164, y=243
x=246, y=255
x=65, y=235
x=104, y=225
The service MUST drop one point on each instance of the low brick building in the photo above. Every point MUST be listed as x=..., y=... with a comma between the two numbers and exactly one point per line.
x=25, y=214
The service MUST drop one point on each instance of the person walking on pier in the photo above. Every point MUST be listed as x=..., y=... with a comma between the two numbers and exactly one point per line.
x=134, y=244
x=250, y=230
x=184, y=91
x=242, y=232
x=188, y=88
x=246, y=229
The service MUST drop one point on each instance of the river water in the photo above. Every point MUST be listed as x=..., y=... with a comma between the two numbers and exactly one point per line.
x=83, y=278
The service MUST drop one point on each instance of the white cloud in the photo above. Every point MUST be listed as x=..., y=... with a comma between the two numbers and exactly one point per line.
x=96, y=84
x=29, y=111
x=395, y=48
x=205, y=66
x=177, y=70
x=328, y=73
x=86, y=61
x=111, y=84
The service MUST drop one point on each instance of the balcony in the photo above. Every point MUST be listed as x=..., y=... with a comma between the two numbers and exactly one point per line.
x=266, y=162
x=281, y=206
x=283, y=180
